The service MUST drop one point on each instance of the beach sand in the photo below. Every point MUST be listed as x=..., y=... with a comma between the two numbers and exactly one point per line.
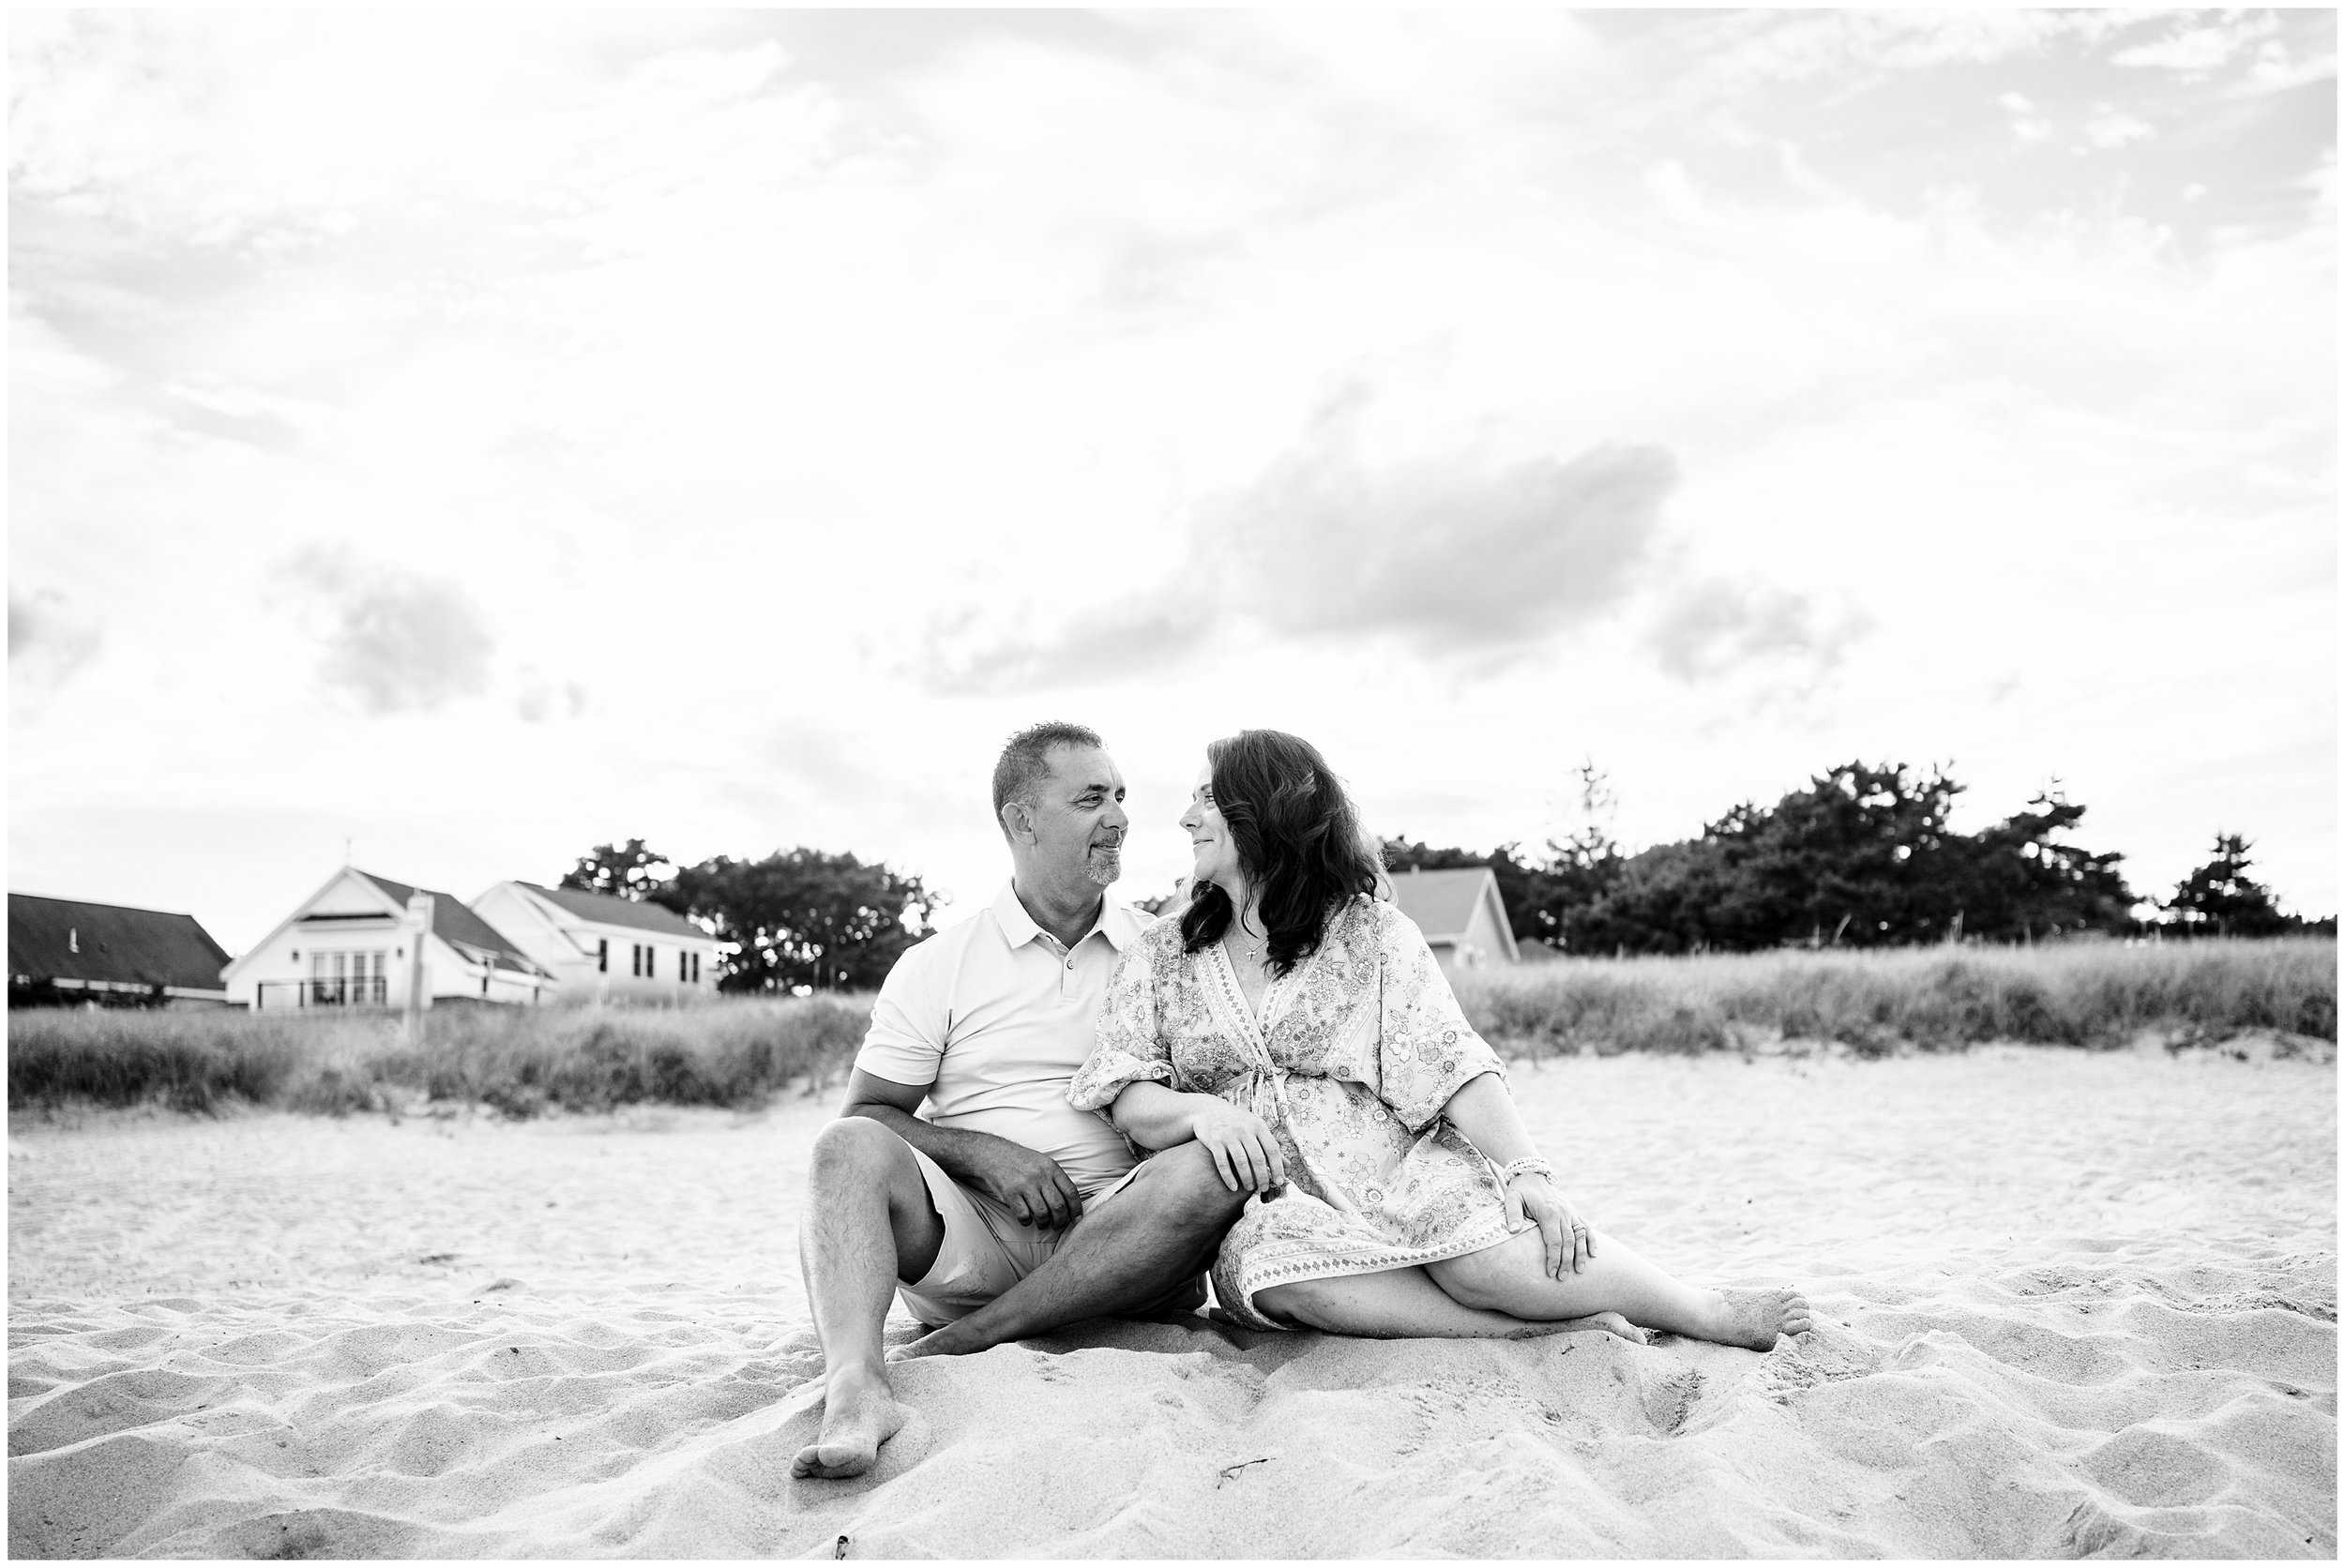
x=2069, y=1304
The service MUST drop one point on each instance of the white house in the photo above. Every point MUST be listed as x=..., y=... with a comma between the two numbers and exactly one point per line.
x=1461, y=913
x=354, y=943
x=598, y=948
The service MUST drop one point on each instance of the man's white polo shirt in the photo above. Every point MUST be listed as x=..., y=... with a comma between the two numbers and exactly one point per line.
x=994, y=1015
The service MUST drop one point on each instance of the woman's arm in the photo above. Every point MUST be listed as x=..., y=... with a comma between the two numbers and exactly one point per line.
x=1484, y=1110
x=1244, y=1150
x=1156, y=1115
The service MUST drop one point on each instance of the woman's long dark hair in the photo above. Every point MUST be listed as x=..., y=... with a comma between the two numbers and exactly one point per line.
x=1298, y=841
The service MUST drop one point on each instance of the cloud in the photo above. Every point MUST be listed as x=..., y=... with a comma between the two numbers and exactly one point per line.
x=540, y=697
x=1716, y=626
x=2112, y=128
x=2195, y=50
x=396, y=641
x=48, y=641
x=964, y=650
x=1723, y=58
x=1456, y=553
x=2276, y=70
x=228, y=416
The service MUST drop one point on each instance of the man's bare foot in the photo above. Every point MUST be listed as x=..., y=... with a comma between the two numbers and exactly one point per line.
x=950, y=1340
x=859, y=1414
x=1754, y=1318
x=1596, y=1322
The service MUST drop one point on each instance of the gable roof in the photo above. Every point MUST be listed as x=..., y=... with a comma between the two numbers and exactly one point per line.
x=605, y=910
x=1442, y=902
x=454, y=923
x=118, y=943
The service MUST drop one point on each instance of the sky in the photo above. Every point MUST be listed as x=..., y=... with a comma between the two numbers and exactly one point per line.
x=452, y=441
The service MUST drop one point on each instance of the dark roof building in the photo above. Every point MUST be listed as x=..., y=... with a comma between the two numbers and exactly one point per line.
x=1461, y=913
x=605, y=910
x=454, y=924
x=79, y=947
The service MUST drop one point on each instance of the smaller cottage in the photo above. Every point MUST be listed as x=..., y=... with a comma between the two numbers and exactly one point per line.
x=1463, y=919
x=355, y=942
x=61, y=950
x=598, y=948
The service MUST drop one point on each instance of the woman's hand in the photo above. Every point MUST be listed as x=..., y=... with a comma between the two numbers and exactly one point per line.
x=1243, y=1148
x=1532, y=1199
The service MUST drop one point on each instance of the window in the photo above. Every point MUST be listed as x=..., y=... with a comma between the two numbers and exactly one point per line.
x=602, y=955
x=696, y=969
x=348, y=979
x=683, y=966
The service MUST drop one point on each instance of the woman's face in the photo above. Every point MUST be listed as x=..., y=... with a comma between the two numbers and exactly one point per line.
x=1209, y=838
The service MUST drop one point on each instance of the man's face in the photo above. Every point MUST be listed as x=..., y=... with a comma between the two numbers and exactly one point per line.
x=1078, y=816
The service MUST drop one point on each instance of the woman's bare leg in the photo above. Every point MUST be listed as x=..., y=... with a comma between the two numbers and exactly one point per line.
x=1511, y=1277
x=1404, y=1304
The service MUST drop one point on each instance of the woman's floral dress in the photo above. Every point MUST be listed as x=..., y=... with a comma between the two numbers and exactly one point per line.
x=1356, y=1053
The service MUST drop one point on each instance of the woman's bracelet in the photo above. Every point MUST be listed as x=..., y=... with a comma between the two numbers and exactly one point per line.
x=1530, y=1164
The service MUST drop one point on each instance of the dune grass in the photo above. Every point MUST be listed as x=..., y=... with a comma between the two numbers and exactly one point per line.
x=738, y=1052
x=520, y=1060
x=2094, y=995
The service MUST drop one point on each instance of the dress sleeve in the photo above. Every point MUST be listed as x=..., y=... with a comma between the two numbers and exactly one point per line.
x=1426, y=1050
x=1127, y=1047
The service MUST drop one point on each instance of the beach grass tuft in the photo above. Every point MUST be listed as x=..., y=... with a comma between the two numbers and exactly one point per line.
x=521, y=1062
x=2096, y=995
x=738, y=1052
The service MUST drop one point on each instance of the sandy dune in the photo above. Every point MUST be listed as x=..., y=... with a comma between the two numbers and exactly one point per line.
x=2072, y=1305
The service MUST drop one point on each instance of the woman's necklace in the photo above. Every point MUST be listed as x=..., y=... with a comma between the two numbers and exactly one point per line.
x=1248, y=945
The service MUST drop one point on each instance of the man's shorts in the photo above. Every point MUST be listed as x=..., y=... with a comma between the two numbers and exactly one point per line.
x=986, y=1251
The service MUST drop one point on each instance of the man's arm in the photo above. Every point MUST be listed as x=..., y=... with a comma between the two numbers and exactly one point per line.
x=1028, y=1183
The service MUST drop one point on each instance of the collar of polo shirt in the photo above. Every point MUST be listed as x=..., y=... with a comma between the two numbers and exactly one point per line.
x=1021, y=928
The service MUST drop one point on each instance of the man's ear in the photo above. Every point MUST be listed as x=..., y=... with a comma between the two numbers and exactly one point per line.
x=1018, y=821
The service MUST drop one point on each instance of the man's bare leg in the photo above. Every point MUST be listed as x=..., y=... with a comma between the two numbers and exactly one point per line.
x=1405, y=1304
x=1125, y=1252
x=869, y=1221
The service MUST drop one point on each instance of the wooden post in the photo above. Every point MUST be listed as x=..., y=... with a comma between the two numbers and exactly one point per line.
x=419, y=916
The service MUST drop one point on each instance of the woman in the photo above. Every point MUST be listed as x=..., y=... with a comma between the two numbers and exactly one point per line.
x=1297, y=1026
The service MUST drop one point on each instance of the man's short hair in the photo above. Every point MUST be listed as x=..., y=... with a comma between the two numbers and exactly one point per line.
x=1025, y=762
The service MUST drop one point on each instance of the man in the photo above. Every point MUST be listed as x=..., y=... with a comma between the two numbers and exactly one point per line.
x=1006, y=1212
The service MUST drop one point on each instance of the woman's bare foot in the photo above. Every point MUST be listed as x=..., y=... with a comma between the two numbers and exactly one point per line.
x=859, y=1414
x=1754, y=1318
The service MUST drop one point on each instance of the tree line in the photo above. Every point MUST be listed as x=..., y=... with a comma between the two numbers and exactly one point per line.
x=796, y=918
x=1861, y=856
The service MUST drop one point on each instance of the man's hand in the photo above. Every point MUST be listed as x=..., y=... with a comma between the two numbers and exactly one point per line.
x=1029, y=1184
x=1243, y=1148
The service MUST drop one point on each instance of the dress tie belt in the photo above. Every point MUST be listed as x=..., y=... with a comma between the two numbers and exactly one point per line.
x=1266, y=1094
x=1266, y=1097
